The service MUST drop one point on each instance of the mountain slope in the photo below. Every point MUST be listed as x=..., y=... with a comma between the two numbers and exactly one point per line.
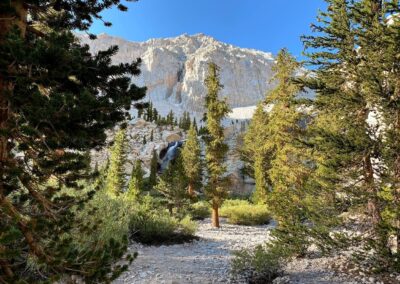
x=174, y=69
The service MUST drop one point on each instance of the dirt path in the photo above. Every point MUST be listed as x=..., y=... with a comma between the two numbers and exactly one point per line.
x=203, y=261
x=207, y=260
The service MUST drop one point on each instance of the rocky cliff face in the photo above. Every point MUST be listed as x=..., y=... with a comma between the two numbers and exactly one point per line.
x=174, y=69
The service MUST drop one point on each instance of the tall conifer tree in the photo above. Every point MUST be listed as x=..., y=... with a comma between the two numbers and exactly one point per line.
x=116, y=176
x=192, y=160
x=216, y=148
x=135, y=185
x=282, y=156
x=354, y=52
x=172, y=184
x=152, y=181
x=255, y=156
x=56, y=101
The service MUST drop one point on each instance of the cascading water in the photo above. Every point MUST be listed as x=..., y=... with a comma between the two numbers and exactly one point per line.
x=170, y=155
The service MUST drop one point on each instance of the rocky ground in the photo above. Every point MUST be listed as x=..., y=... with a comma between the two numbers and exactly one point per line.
x=203, y=261
x=207, y=260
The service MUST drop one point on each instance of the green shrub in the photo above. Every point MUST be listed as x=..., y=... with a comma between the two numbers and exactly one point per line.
x=258, y=265
x=200, y=210
x=242, y=212
x=235, y=202
x=153, y=225
x=188, y=226
x=110, y=216
x=100, y=235
x=148, y=227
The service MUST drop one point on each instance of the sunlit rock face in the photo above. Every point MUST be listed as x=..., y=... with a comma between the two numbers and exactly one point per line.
x=174, y=69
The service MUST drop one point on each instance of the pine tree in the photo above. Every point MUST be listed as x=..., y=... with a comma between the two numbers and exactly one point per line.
x=255, y=157
x=102, y=175
x=192, y=161
x=285, y=161
x=155, y=115
x=354, y=53
x=51, y=91
x=172, y=184
x=149, y=112
x=195, y=125
x=388, y=61
x=170, y=118
x=216, y=149
x=185, y=121
x=151, y=136
x=144, y=142
x=135, y=185
x=152, y=181
x=378, y=71
x=116, y=177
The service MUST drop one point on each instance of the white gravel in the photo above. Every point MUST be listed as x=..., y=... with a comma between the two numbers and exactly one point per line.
x=203, y=261
x=207, y=260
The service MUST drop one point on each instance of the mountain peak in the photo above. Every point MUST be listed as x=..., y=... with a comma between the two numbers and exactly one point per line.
x=174, y=69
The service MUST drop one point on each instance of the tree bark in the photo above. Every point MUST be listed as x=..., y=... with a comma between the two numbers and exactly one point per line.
x=372, y=205
x=7, y=21
x=215, y=216
x=397, y=181
x=191, y=190
x=5, y=266
x=22, y=225
x=170, y=209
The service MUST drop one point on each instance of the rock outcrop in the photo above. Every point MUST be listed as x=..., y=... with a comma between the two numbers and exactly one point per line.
x=174, y=69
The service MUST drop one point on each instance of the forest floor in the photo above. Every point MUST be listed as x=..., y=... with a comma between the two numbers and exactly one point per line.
x=207, y=260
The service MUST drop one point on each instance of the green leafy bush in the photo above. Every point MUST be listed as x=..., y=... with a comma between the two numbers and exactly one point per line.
x=188, y=226
x=258, y=265
x=200, y=210
x=100, y=234
x=153, y=225
x=242, y=212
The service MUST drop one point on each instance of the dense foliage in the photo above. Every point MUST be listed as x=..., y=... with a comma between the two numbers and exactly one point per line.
x=336, y=155
x=192, y=163
x=216, y=148
x=56, y=101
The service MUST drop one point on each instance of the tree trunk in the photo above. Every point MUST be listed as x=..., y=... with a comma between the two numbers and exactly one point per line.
x=4, y=115
x=372, y=206
x=7, y=21
x=6, y=268
x=215, y=216
x=397, y=183
x=191, y=190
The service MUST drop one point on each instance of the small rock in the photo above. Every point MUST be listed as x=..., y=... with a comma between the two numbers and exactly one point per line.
x=281, y=280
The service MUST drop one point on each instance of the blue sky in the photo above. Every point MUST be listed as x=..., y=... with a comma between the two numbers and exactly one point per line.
x=267, y=25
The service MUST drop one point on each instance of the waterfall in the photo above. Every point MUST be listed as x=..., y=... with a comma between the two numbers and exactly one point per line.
x=170, y=155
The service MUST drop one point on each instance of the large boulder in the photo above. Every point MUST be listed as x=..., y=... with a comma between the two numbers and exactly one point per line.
x=172, y=136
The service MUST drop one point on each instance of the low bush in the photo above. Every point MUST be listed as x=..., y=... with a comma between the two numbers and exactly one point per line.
x=200, y=210
x=149, y=225
x=100, y=236
x=242, y=212
x=187, y=226
x=259, y=265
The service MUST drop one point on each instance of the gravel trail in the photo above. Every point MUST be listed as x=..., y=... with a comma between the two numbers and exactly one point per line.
x=202, y=261
x=207, y=260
